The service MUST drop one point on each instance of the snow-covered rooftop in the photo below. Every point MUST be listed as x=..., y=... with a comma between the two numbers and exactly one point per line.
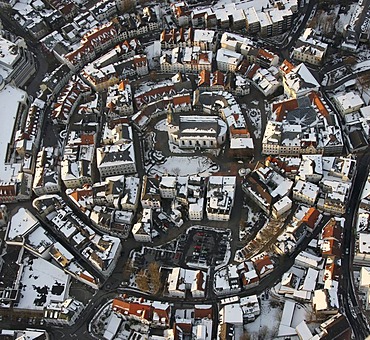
x=42, y=283
x=10, y=98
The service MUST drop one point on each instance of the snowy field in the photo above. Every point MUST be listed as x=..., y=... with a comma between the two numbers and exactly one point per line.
x=184, y=166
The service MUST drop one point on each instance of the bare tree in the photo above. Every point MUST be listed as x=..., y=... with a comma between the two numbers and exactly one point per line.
x=155, y=276
x=127, y=6
x=176, y=171
x=245, y=336
x=262, y=334
x=142, y=281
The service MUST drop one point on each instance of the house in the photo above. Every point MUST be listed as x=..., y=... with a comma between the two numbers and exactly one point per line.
x=181, y=12
x=263, y=265
x=150, y=194
x=168, y=187
x=251, y=307
x=336, y=328
x=186, y=60
x=147, y=312
x=348, y=102
x=182, y=280
x=228, y=60
x=77, y=158
x=281, y=207
x=285, y=327
x=309, y=49
x=17, y=62
x=264, y=80
x=116, y=160
x=220, y=197
x=195, y=197
x=305, y=192
x=45, y=177
x=365, y=285
x=325, y=301
x=311, y=219
x=248, y=275
x=103, y=253
x=142, y=230
x=231, y=314
x=362, y=250
x=261, y=186
x=332, y=238
x=299, y=82
x=119, y=99
x=307, y=260
x=227, y=280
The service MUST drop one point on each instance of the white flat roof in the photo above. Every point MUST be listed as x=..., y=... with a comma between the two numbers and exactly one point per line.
x=42, y=283
x=10, y=98
x=21, y=222
x=349, y=100
x=364, y=243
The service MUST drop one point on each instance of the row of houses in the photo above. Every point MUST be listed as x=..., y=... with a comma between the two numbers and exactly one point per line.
x=96, y=36
x=196, y=321
x=267, y=18
x=216, y=194
x=19, y=143
x=311, y=179
x=101, y=252
x=235, y=278
x=194, y=57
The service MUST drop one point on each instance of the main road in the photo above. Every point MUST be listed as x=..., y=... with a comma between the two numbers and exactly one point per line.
x=352, y=310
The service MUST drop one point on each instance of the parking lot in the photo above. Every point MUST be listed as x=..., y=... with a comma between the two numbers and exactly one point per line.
x=205, y=248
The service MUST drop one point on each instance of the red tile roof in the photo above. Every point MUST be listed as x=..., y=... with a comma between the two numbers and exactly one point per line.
x=204, y=80
x=286, y=66
x=314, y=96
x=311, y=217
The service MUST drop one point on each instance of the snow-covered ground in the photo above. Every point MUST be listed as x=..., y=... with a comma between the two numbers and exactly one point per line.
x=270, y=318
x=344, y=18
x=184, y=166
x=254, y=116
x=250, y=221
x=267, y=324
x=362, y=66
x=161, y=125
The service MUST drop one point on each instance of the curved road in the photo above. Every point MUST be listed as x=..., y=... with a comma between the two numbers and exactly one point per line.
x=352, y=310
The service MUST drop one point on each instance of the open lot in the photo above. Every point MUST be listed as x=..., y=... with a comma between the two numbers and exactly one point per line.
x=205, y=248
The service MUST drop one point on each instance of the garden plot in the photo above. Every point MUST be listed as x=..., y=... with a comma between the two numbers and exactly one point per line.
x=184, y=166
